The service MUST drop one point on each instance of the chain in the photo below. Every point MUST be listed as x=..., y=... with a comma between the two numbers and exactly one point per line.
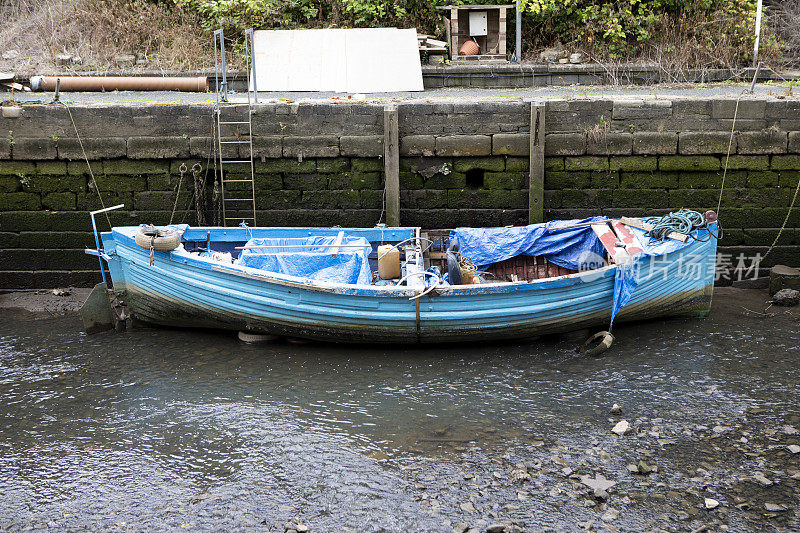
x=182, y=170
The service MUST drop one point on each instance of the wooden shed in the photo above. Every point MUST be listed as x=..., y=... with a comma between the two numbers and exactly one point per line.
x=484, y=24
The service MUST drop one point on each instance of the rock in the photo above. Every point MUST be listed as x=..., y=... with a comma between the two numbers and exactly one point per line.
x=467, y=507
x=497, y=528
x=622, y=428
x=720, y=429
x=520, y=475
x=616, y=409
x=460, y=527
x=790, y=430
x=124, y=61
x=774, y=507
x=794, y=448
x=783, y=277
x=610, y=515
x=62, y=292
x=563, y=61
x=711, y=503
x=604, y=456
x=632, y=468
x=644, y=468
x=552, y=55
x=63, y=60
x=599, y=484
x=301, y=528
x=786, y=297
x=10, y=54
x=762, y=480
x=576, y=58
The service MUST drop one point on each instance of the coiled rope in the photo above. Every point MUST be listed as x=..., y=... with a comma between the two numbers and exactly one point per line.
x=684, y=221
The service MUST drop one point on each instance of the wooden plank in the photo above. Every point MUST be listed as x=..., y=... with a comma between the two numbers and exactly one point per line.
x=391, y=146
x=337, y=244
x=647, y=227
x=627, y=237
x=536, y=180
x=610, y=242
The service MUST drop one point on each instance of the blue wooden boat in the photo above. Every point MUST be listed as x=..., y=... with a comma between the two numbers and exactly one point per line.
x=524, y=295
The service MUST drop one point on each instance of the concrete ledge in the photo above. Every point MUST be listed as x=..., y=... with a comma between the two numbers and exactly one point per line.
x=157, y=147
x=105, y=148
x=464, y=145
x=361, y=145
x=762, y=142
x=518, y=144
x=34, y=149
x=422, y=145
x=317, y=146
x=691, y=143
x=655, y=143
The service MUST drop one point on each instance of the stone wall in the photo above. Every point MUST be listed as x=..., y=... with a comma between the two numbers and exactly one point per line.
x=461, y=164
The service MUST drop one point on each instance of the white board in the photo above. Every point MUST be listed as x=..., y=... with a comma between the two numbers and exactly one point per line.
x=368, y=60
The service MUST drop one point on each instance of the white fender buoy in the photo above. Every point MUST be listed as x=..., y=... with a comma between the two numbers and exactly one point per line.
x=252, y=338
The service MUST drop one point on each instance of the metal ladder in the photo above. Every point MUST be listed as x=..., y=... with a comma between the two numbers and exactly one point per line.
x=238, y=192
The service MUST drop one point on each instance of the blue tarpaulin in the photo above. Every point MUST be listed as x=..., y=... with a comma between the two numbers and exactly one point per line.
x=570, y=248
x=350, y=264
x=627, y=276
x=566, y=248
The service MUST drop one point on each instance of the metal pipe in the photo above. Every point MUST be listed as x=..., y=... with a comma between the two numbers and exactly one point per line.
x=120, y=83
x=518, y=44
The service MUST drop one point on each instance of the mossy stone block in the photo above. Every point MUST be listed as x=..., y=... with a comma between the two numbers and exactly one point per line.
x=504, y=180
x=785, y=162
x=688, y=162
x=367, y=164
x=494, y=164
x=125, y=166
x=17, y=168
x=633, y=163
x=330, y=166
x=10, y=184
x=567, y=180
x=586, y=163
x=647, y=198
x=763, y=179
x=20, y=201
x=59, y=201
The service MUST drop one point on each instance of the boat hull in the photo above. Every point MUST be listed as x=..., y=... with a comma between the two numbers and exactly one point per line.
x=177, y=291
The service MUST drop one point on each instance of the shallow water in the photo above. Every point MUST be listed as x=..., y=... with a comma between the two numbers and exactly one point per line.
x=165, y=429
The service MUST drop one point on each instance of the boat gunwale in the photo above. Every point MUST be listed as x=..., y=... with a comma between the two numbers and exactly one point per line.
x=504, y=287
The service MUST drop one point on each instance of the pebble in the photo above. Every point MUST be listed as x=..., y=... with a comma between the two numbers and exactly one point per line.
x=711, y=503
x=786, y=297
x=794, y=448
x=610, y=515
x=616, y=409
x=762, y=480
x=467, y=507
x=774, y=507
x=621, y=428
x=497, y=528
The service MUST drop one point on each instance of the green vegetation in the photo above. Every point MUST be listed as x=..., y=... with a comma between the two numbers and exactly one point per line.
x=676, y=34
x=683, y=33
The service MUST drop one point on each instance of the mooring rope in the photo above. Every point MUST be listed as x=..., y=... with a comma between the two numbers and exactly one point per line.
x=785, y=220
x=728, y=156
x=93, y=182
x=684, y=221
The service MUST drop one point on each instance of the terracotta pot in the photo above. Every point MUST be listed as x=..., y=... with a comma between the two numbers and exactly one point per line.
x=469, y=48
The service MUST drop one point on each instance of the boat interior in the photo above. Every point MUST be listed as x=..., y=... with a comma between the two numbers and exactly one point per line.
x=395, y=255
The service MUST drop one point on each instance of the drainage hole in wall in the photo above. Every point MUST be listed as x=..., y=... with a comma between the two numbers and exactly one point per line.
x=475, y=178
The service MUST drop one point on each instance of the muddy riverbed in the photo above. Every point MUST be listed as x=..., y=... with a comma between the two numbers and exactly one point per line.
x=160, y=429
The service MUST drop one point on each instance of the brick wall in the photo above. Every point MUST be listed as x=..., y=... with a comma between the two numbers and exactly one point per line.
x=461, y=164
